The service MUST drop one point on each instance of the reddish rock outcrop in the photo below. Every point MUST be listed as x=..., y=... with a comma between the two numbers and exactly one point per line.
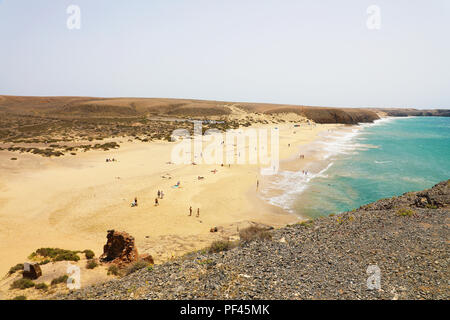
x=119, y=248
x=31, y=271
x=147, y=258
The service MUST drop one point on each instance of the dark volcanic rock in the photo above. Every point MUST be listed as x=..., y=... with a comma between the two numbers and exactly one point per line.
x=436, y=197
x=327, y=258
x=31, y=271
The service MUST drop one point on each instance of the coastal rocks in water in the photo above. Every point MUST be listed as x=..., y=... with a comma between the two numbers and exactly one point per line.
x=119, y=249
x=31, y=271
x=435, y=197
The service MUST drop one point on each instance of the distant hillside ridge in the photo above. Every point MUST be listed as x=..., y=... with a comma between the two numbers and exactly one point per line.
x=415, y=112
x=86, y=107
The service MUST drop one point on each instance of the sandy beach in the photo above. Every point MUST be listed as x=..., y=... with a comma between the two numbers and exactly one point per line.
x=70, y=202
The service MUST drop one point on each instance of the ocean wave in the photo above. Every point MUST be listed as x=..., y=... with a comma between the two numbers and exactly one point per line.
x=381, y=121
x=332, y=143
x=291, y=183
x=339, y=143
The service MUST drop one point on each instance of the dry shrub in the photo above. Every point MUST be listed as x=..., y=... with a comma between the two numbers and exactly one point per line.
x=254, y=233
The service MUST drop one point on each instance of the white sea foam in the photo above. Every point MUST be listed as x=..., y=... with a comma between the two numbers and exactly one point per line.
x=381, y=162
x=289, y=184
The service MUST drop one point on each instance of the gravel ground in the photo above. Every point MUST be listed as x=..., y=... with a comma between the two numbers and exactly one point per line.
x=406, y=237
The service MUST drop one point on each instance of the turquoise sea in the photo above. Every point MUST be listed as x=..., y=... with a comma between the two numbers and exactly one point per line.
x=382, y=160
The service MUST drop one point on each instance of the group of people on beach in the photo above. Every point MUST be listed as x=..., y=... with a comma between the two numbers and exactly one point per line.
x=160, y=195
x=111, y=160
x=190, y=212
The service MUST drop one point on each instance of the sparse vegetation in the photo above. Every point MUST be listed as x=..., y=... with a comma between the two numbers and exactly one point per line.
x=220, y=245
x=113, y=270
x=41, y=286
x=254, y=233
x=19, y=298
x=55, y=254
x=137, y=266
x=17, y=267
x=60, y=279
x=405, y=212
x=306, y=223
x=89, y=254
x=22, y=284
x=45, y=261
x=91, y=264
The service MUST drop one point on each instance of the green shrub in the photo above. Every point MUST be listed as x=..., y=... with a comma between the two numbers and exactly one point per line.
x=56, y=254
x=405, y=212
x=22, y=284
x=254, y=233
x=44, y=262
x=60, y=279
x=20, y=298
x=17, y=267
x=67, y=256
x=41, y=286
x=113, y=269
x=306, y=223
x=89, y=254
x=91, y=264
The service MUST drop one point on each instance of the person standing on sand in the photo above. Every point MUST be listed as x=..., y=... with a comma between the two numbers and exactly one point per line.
x=162, y=194
x=190, y=211
x=198, y=212
x=156, y=202
x=257, y=184
x=159, y=194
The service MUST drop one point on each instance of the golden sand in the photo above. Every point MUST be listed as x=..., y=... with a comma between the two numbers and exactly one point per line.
x=70, y=202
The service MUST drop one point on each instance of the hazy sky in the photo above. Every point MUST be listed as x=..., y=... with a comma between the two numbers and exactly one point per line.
x=312, y=52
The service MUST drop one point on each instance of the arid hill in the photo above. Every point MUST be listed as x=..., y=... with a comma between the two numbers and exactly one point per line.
x=69, y=107
x=414, y=112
